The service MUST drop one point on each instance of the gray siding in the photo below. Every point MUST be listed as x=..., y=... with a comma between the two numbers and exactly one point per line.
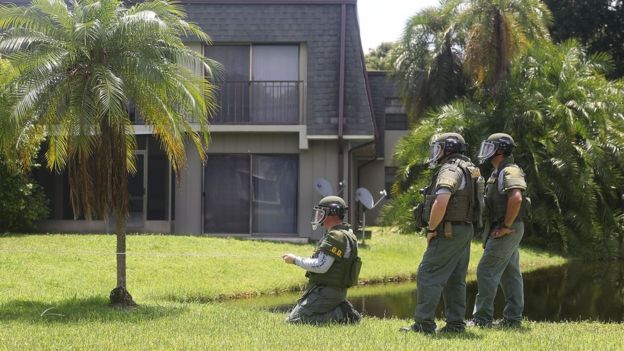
x=318, y=26
x=381, y=87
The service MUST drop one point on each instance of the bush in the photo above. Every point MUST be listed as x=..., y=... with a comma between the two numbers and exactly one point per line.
x=22, y=201
x=568, y=122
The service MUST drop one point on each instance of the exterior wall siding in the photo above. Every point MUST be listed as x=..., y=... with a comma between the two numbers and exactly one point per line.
x=316, y=26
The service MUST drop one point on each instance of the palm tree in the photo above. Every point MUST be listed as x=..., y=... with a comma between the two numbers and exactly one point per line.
x=80, y=66
x=473, y=39
x=568, y=122
x=498, y=31
x=427, y=60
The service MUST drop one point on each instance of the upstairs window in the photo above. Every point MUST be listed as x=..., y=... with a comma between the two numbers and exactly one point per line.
x=260, y=84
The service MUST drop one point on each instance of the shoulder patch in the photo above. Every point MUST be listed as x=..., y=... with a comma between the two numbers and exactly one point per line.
x=334, y=243
x=449, y=177
x=512, y=177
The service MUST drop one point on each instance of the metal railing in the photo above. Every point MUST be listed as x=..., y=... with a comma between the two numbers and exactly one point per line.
x=259, y=102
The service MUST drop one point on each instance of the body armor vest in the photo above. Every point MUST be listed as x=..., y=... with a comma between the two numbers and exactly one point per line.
x=496, y=201
x=464, y=205
x=334, y=244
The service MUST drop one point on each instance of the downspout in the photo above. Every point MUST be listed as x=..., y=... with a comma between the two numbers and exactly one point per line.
x=349, y=153
x=372, y=113
x=341, y=95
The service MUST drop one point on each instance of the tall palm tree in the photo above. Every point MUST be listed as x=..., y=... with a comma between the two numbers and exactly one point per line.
x=446, y=49
x=498, y=30
x=427, y=60
x=80, y=66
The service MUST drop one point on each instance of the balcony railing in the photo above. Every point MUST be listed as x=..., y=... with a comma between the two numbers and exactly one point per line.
x=259, y=102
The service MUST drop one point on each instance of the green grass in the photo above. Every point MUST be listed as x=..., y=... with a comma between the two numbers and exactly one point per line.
x=192, y=268
x=87, y=325
x=53, y=295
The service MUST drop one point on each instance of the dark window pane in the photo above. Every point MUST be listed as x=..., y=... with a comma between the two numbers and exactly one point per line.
x=173, y=189
x=226, y=205
x=232, y=94
x=136, y=194
x=275, y=181
x=157, y=182
x=234, y=58
x=396, y=118
x=275, y=90
x=141, y=142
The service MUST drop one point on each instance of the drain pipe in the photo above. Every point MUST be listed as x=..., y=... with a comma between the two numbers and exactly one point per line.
x=341, y=94
x=349, y=171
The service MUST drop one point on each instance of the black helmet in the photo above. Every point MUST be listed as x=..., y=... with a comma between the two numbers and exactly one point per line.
x=445, y=144
x=328, y=206
x=494, y=143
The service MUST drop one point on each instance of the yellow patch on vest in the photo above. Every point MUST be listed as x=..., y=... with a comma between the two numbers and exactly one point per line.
x=475, y=172
x=336, y=251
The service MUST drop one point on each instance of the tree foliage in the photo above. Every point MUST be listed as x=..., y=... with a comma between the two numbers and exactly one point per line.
x=598, y=24
x=378, y=59
x=568, y=122
x=446, y=50
x=80, y=66
x=22, y=202
x=427, y=60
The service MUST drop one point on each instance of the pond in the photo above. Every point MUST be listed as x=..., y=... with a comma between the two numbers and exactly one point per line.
x=575, y=291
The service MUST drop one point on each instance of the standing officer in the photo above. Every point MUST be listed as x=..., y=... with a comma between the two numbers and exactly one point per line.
x=504, y=228
x=332, y=269
x=451, y=207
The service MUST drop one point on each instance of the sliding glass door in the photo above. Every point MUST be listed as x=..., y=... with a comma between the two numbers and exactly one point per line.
x=251, y=194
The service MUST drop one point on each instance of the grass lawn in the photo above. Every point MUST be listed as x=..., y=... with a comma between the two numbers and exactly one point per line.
x=53, y=295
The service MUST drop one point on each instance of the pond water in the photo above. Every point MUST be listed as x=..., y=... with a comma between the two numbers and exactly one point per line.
x=575, y=291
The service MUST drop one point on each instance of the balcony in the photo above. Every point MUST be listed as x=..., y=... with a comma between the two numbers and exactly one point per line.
x=260, y=102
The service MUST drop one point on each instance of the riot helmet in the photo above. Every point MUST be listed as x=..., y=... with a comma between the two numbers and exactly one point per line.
x=328, y=206
x=443, y=145
x=494, y=143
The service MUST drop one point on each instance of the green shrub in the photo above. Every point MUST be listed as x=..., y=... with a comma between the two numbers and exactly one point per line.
x=568, y=122
x=22, y=201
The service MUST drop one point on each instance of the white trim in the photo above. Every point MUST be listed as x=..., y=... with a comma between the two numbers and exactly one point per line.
x=254, y=128
x=346, y=137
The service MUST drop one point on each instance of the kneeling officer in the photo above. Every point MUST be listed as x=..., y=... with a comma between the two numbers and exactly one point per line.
x=332, y=269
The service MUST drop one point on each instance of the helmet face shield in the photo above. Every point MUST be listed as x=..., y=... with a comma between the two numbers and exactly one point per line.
x=488, y=149
x=435, y=153
x=318, y=216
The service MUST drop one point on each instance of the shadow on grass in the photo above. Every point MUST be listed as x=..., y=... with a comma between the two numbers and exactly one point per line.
x=467, y=335
x=81, y=310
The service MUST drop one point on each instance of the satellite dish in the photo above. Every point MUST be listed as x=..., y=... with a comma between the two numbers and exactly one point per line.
x=323, y=187
x=364, y=197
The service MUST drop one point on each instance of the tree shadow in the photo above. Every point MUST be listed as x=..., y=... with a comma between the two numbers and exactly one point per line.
x=80, y=310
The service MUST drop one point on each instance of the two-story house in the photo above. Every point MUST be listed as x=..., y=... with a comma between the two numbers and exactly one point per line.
x=295, y=105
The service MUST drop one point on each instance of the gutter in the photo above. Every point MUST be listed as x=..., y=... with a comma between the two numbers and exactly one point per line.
x=349, y=153
x=341, y=94
x=372, y=114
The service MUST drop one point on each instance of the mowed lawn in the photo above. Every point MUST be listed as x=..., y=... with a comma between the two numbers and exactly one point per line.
x=53, y=295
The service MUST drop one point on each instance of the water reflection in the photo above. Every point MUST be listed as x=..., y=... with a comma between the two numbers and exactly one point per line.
x=576, y=291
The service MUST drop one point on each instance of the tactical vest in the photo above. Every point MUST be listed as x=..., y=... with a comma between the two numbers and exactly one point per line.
x=463, y=205
x=334, y=244
x=496, y=201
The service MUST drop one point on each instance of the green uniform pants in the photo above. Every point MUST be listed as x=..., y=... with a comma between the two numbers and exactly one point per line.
x=442, y=272
x=323, y=304
x=500, y=265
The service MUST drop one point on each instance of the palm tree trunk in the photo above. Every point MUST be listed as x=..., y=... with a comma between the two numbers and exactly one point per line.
x=121, y=259
x=120, y=297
